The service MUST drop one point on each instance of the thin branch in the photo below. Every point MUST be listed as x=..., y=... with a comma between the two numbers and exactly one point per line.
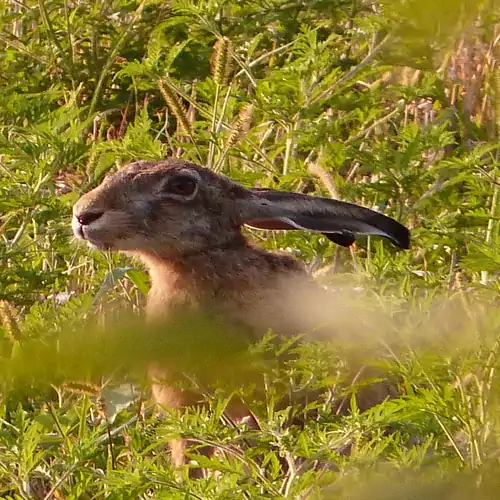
x=367, y=60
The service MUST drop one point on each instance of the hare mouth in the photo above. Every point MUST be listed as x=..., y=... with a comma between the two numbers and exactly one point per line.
x=95, y=243
x=98, y=245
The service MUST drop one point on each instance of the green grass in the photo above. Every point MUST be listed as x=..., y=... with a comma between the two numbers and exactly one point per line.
x=383, y=105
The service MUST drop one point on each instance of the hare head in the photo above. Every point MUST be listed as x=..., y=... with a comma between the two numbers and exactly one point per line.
x=173, y=208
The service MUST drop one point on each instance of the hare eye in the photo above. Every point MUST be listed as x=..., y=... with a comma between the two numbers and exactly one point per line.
x=183, y=185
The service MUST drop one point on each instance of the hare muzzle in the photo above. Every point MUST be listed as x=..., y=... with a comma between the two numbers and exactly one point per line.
x=90, y=225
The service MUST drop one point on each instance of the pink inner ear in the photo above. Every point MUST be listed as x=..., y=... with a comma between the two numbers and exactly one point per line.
x=269, y=224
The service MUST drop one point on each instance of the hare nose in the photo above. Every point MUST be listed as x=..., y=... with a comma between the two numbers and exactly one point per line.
x=86, y=218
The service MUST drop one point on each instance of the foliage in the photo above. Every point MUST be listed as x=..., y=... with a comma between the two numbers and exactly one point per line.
x=376, y=103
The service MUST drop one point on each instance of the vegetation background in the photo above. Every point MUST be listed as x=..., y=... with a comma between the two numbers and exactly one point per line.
x=391, y=104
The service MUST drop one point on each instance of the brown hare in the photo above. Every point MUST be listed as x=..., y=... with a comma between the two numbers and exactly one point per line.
x=185, y=223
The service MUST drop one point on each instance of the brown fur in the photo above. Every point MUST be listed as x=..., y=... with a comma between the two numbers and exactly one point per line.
x=198, y=258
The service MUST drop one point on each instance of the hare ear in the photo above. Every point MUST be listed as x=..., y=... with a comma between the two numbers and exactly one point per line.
x=337, y=220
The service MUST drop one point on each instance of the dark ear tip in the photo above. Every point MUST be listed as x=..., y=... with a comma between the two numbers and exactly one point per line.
x=402, y=240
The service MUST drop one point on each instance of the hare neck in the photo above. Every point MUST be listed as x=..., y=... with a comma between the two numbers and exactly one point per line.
x=215, y=278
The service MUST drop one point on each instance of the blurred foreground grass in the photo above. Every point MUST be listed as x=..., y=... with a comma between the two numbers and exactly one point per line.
x=76, y=407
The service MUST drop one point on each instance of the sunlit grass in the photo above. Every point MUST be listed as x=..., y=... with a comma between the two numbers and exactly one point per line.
x=393, y=106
